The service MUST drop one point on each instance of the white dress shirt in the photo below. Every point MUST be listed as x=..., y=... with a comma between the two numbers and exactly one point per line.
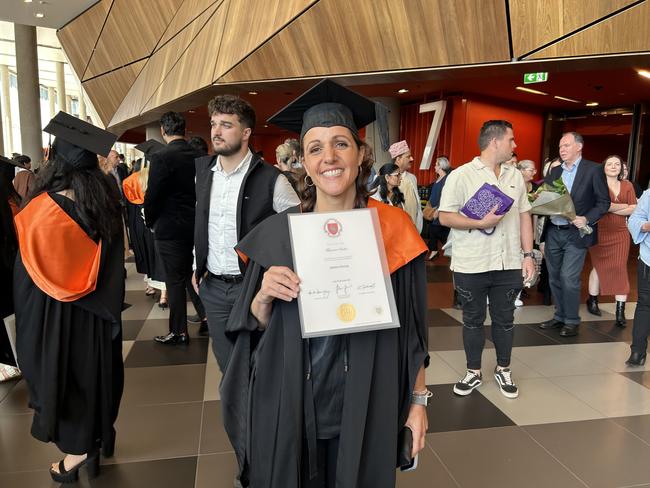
x=222, y=218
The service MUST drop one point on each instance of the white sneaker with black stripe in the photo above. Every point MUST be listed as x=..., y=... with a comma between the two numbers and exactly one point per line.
x=466, y=386
x=506, y=385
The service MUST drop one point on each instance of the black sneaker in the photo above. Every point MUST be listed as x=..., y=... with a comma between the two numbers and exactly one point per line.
x=465, y=386
x=506, y=385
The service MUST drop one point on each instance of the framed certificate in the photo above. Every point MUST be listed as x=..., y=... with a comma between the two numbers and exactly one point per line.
x=345, y=283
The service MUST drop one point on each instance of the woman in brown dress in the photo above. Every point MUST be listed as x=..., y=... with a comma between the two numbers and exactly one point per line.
x=609, y=256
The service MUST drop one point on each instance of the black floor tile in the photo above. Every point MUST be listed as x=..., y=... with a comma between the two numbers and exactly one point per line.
x=164, y=384
x=5, y=388
x=213, y=436
x=131, y=329
x=606, y=327
x=525, y=335
x=439, y=274
x=438, y=318
x=641, y=377
x=448, y=411
x=586, y=335
x=150, y=353
x=17, y=400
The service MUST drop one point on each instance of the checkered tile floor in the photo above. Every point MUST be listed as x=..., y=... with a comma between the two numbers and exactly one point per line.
x=582, y=418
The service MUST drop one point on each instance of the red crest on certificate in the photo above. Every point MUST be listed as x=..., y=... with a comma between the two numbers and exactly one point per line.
x=333, y=228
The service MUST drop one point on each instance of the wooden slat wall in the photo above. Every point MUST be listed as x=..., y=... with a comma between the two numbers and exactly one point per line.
x=623, y=33
x=250, y=23
x=158, y=66
x=132, y=30
x=194, y=69
x=187, y=13
x=108, y=91
x=78, y=38
x=535, y=23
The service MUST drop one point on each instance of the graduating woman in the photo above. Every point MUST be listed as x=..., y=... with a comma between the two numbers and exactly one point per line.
x=68, y=289
x=388, y=183
x=326, y=411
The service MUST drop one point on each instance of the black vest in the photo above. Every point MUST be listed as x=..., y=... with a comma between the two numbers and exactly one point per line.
x=254, y=204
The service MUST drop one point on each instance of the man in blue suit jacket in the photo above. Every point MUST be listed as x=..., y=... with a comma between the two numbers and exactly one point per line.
x=565, y=248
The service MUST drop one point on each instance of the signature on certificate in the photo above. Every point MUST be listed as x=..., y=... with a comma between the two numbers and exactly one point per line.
x=343, y=290
x=366, y=288
x=317, y=294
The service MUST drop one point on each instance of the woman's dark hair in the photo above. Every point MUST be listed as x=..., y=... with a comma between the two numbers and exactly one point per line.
x=96, y=197
x=308, y=194
x=619, y=176
x=397, y=198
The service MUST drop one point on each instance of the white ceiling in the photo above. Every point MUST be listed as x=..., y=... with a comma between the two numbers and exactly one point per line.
x=56, y=13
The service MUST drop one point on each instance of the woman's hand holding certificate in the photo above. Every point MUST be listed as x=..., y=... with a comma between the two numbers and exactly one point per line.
x=278, y=282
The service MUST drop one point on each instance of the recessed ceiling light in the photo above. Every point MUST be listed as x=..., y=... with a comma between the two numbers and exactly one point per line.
x=39, y=15
x=627, y=113
x=591, y=104
x=27, y=1
x=402, y=90
x=530, y=90
x=644, y=72
x=252, y=93
x=266, y=125
x=191, y=111
x=557, y=97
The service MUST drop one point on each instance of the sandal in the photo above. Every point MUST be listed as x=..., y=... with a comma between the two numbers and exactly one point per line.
x=92, y=466
x=163, y=303
x=150, y=291
x=9, y=373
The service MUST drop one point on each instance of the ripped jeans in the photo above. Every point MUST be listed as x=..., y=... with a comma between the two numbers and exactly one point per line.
x=474, y=289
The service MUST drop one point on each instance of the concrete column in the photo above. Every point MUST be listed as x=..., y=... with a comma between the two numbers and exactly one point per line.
x=6, y=111
x=29, y=105
x=153, y=132
x=51, y=96
x=60, y=86
x=82, y=104
x=372, y=131
x=68, y=104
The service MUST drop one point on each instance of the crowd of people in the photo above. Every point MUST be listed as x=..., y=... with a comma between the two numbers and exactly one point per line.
x=338, y=410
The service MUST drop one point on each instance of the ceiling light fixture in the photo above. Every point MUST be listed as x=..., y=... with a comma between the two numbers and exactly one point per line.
x=191, y=111
x=27, y=1
x=644, y=72
x=266, y=125
x=39, y=15
x=591, y=104
x=530, y=90
x=252, y=93
x=402, y=90
x=566, y=99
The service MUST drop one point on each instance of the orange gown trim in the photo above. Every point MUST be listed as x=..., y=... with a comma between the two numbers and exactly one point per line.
x=402, y=241
x=132, y=189
x=61, y=259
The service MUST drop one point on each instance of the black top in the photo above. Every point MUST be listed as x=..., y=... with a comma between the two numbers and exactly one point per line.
x=170, y=199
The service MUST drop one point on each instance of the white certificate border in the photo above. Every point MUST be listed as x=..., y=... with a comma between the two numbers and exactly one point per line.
x=394, y=323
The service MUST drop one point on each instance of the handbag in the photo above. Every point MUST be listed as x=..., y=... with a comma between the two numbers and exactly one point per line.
x=484, y=200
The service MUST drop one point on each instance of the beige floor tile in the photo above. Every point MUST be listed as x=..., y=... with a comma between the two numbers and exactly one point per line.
x=212, y=381
x=214, y=439
x=211, y=357
x=126, y=348
x=457, y=360
x=630, y=308
x=612, y=355
x=540, y=402
x=560, y=360
x=429, y=473
x=216, y=471
x=158, y=313
x=612, y=394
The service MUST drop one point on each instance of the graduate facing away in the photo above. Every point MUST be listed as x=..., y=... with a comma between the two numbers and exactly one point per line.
x=334, y=411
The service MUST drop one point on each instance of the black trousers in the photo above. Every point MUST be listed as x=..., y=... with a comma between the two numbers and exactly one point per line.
x=502, y=288
x=177, y=261
x=327, y=454
x=437, y=234
x=641, y=328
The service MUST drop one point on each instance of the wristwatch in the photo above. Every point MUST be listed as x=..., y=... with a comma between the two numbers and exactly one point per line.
x=529, y=254
x=421, y=398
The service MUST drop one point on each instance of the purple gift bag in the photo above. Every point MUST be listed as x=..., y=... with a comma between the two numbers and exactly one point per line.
x=484, y=200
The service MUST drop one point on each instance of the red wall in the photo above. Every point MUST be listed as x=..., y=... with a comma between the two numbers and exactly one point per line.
x=459, y=132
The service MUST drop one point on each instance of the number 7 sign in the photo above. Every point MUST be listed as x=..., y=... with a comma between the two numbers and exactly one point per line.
x=439, y=112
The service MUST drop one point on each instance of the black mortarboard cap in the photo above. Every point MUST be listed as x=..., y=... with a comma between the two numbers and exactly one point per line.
x=77, y=140
x=327, y=104
x=149, y=147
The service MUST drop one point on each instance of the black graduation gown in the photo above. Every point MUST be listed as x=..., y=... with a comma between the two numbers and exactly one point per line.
x=147, y=260
x=266, y=395
x=70, y=353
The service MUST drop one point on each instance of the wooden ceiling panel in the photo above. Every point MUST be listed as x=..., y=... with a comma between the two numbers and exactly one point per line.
x=535, y=23
x=250, y=23
x=186, y=14
x=79, y=37
x=622, y=33
x=107, y=91
x=158, y=66
x=132, y=30
x=431, y=33
x=194, y=69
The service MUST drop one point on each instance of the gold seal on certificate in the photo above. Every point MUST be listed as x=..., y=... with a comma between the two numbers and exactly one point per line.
x=345, y=284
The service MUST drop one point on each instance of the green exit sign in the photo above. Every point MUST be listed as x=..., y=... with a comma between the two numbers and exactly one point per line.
x=535, y=78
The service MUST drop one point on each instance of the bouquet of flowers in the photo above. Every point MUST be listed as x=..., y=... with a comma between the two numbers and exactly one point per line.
x=555, y=200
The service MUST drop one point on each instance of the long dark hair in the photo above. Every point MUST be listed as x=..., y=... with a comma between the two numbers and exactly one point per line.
x=308, y=194
x=397, y=198
x=95, y=195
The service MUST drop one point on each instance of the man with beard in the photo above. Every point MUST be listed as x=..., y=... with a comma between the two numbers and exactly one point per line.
x=235, y=191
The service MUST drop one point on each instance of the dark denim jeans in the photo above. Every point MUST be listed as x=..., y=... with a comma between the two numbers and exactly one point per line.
x=564, y=261
x=641, y=327
x=502, y=288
